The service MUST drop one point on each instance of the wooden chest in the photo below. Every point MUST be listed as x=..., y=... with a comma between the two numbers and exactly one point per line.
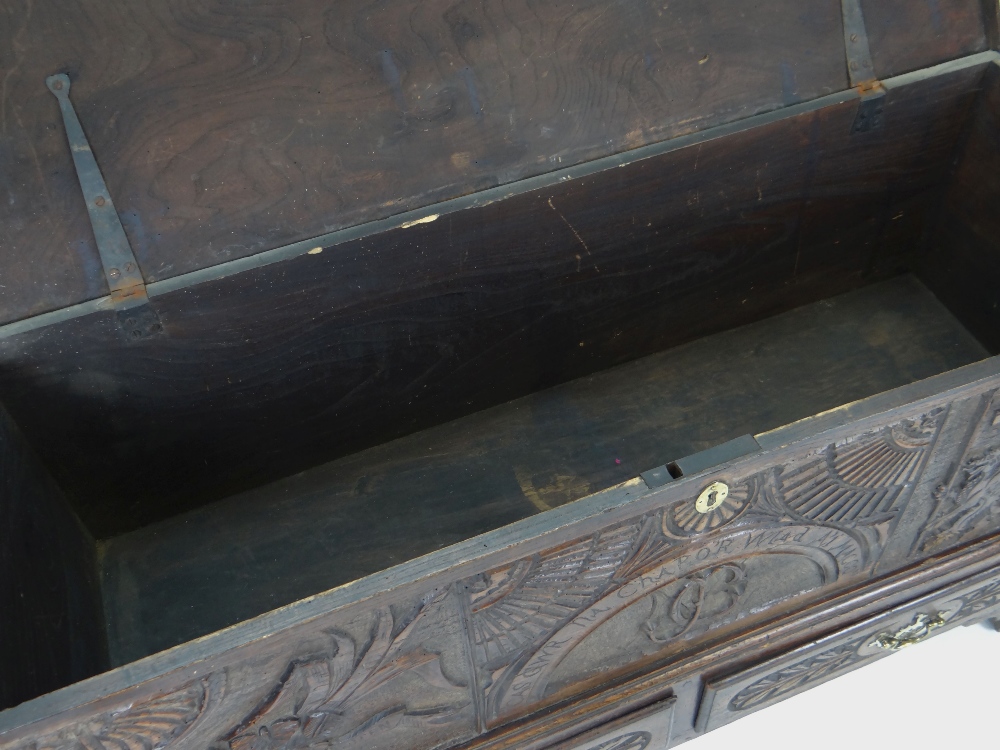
x=524, y=375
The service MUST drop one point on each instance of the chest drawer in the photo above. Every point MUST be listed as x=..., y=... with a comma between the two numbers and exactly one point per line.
x=727, y=698
x=646, y=729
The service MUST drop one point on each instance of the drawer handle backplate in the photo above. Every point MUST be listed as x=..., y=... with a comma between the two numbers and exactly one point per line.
x=921, y=627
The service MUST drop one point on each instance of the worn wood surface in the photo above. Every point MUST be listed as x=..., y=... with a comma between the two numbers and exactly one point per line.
x=202, y=571
x=905, y=35
x=51, y=620
x=962, y=263
x=227, y=128
x=378, y=337
x=610, y=597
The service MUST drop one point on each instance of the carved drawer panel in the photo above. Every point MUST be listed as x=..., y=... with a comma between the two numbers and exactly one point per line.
x=648, y=728
x=733, y=696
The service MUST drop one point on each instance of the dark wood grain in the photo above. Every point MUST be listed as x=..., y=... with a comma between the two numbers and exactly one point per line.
x=325, y=354
x=202, y=571
x=906, y=35
x=224, y=129
x=963, y=262
x=51, y=621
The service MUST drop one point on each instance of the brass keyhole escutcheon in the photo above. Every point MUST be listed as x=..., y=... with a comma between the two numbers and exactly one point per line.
x=712, y=497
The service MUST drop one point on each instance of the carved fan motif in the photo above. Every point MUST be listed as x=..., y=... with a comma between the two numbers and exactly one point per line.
x=685, y=520
x=863, y=480
x=147, y=726
x=530, y=601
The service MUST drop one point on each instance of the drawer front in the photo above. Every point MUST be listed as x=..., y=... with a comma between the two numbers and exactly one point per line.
x=736, y=695
x=646, y=729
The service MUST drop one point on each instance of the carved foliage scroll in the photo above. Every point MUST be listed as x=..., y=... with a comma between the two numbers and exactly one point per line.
x=360, y=693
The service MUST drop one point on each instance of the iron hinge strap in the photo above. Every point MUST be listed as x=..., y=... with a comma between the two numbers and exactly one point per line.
x=128, y=287
x=861, y=69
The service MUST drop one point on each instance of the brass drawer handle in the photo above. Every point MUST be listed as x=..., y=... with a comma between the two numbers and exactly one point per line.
x=918, y=630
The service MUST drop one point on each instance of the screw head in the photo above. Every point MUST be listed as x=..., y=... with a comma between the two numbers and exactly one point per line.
x=129, y=266
x=99, y=200
x=57, y=85
x=114, y=273
x=854, y=37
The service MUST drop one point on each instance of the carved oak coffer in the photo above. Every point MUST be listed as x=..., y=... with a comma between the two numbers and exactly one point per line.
x=495, y=375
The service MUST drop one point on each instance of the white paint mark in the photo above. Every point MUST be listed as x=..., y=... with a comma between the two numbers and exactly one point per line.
x=316, y=251
x=425, y=220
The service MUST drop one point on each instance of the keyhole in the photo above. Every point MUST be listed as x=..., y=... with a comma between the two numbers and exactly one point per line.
x=712, y=497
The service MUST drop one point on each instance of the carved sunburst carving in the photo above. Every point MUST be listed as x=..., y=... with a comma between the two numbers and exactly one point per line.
x=685, y=520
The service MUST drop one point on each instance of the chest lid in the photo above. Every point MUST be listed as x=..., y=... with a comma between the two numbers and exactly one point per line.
x=226, y=129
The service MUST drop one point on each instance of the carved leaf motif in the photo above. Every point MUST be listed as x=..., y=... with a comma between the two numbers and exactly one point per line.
x=313, y=699
x=796, y=676
x=151, y=725
x=979, y=601
x=630, y=741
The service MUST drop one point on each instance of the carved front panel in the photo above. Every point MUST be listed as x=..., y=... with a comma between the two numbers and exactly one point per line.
x=438, y=662
x=544, y=625
x=731, y=697
x=967, y=501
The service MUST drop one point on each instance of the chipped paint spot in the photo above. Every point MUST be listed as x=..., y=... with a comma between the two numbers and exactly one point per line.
x=316, y=251
x=425, y=220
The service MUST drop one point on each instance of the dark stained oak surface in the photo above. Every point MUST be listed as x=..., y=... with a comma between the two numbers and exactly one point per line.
x=963, y=262
x=202, y=571
x=51, y=619
x=650, y=302
x=224, y=128
x=374, y=338
x=905, y=35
